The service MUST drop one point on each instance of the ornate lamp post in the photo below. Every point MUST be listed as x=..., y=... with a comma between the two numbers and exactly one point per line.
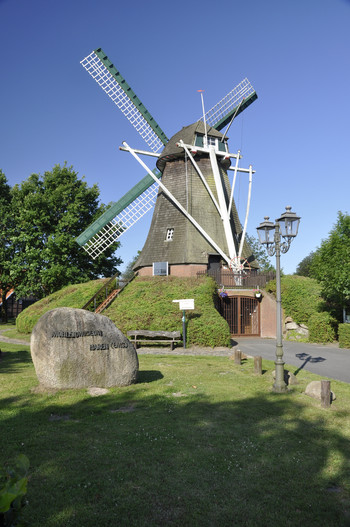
x=271, y=234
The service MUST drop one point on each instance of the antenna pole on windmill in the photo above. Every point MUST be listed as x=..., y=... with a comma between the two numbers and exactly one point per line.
x=205, y=122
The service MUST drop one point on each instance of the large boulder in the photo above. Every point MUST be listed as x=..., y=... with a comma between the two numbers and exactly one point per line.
x=74, y=348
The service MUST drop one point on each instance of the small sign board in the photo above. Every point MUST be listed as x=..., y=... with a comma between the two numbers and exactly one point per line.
x=185, y=303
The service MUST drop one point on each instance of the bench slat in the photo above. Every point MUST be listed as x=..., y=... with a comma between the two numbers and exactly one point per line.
x=152, y=334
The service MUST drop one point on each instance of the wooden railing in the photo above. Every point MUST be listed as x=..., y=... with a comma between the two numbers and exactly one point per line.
x=226, y=278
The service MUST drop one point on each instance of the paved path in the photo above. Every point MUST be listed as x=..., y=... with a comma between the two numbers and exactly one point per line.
x=12, y=341
x=328, y=361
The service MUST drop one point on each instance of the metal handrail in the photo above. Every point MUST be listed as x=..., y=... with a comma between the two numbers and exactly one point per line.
x=104, y=287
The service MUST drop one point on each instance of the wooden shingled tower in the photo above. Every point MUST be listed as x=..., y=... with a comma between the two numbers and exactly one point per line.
x=172, y=237
x=195, y=225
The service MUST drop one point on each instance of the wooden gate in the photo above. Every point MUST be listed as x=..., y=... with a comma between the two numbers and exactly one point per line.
x=242, y=314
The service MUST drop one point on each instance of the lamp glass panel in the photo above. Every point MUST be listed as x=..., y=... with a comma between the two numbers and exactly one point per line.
x=289, y=227
x=266, y=233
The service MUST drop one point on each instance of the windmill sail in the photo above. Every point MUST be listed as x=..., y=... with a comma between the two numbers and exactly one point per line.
x=231, y=105
x=141, y=198
x=120, y=217
x=118, y=90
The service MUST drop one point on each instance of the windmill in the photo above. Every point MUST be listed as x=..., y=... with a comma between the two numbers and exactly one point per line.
x=195, y=221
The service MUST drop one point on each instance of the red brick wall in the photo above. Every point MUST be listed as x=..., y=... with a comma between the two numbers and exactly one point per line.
x=267, y=311
x=184, y=270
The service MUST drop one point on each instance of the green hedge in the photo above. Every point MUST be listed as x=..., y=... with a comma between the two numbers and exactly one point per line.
x=301, y=297
x=322, y=327
x=344, y=335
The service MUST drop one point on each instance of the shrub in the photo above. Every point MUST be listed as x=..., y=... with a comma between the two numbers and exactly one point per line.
x=210, y=329
x=300, y=297
x=321, y=328
x=344, y=335
x=13, y=488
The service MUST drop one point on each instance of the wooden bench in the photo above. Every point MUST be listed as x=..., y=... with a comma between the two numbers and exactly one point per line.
x=154, y=337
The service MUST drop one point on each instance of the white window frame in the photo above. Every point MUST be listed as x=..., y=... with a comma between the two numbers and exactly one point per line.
x=157, y=266
x=169, y=235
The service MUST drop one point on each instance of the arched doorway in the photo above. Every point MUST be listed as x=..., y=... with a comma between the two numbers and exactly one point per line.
x=242, y=314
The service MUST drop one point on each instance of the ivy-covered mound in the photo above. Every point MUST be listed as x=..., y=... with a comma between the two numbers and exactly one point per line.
x=71, y=296
x=147, y=303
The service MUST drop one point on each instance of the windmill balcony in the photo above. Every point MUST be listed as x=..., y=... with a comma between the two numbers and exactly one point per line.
x=228, y=279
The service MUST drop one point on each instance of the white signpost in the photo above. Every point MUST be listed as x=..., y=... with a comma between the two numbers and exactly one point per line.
x=184, y=305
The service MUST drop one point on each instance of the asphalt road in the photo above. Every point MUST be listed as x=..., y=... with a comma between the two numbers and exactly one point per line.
x=327, y=361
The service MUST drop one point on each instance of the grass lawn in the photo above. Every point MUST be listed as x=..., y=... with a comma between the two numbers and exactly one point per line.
x=197, y=441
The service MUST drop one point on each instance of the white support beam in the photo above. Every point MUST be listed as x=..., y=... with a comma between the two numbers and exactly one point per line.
x=142, y=152
x=206, y=151
x=234, y=182
x=222, y=202
x=244, y=170
x=178, y=205
x=182, y=145
x=247, y=213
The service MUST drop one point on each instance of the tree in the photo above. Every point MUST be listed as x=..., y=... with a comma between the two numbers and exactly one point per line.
x=51, y=211
x=304, y=267
x=260, y=254
x=331, y=265
x=128, y=273
x=6, y=249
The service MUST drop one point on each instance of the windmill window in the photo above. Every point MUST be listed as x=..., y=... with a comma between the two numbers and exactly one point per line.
x=169, y=235
x=160, y=269
x=211, y=141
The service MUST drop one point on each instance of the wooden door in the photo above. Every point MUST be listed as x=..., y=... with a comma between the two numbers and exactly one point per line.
x=242, y=314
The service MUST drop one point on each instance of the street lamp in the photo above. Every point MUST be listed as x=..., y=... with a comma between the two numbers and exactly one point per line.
x=271, y=234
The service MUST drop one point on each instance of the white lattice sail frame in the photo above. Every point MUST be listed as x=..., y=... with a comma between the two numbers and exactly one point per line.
x=243, y=90
x=98, y=71
x=110, y=233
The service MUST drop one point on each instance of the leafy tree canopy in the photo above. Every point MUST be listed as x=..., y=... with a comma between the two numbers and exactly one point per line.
x=6, y=252
x=50, y=211
x=304, y=267
x=260, y=254
x=128, y=273
x=331, y=263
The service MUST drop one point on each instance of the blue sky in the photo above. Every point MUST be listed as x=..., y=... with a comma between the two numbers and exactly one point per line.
x=296, y=135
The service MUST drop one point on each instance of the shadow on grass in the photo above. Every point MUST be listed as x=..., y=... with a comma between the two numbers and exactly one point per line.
x=179, y=461
x=14, y=361
x=137, y=457
x=145, y=376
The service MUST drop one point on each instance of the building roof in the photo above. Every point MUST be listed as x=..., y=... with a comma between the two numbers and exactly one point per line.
x=188, y=135
x=8, y=294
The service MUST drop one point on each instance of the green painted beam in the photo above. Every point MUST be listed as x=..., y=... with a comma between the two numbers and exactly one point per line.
x=227, y=119
x=116, y=208
x=132, y=95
